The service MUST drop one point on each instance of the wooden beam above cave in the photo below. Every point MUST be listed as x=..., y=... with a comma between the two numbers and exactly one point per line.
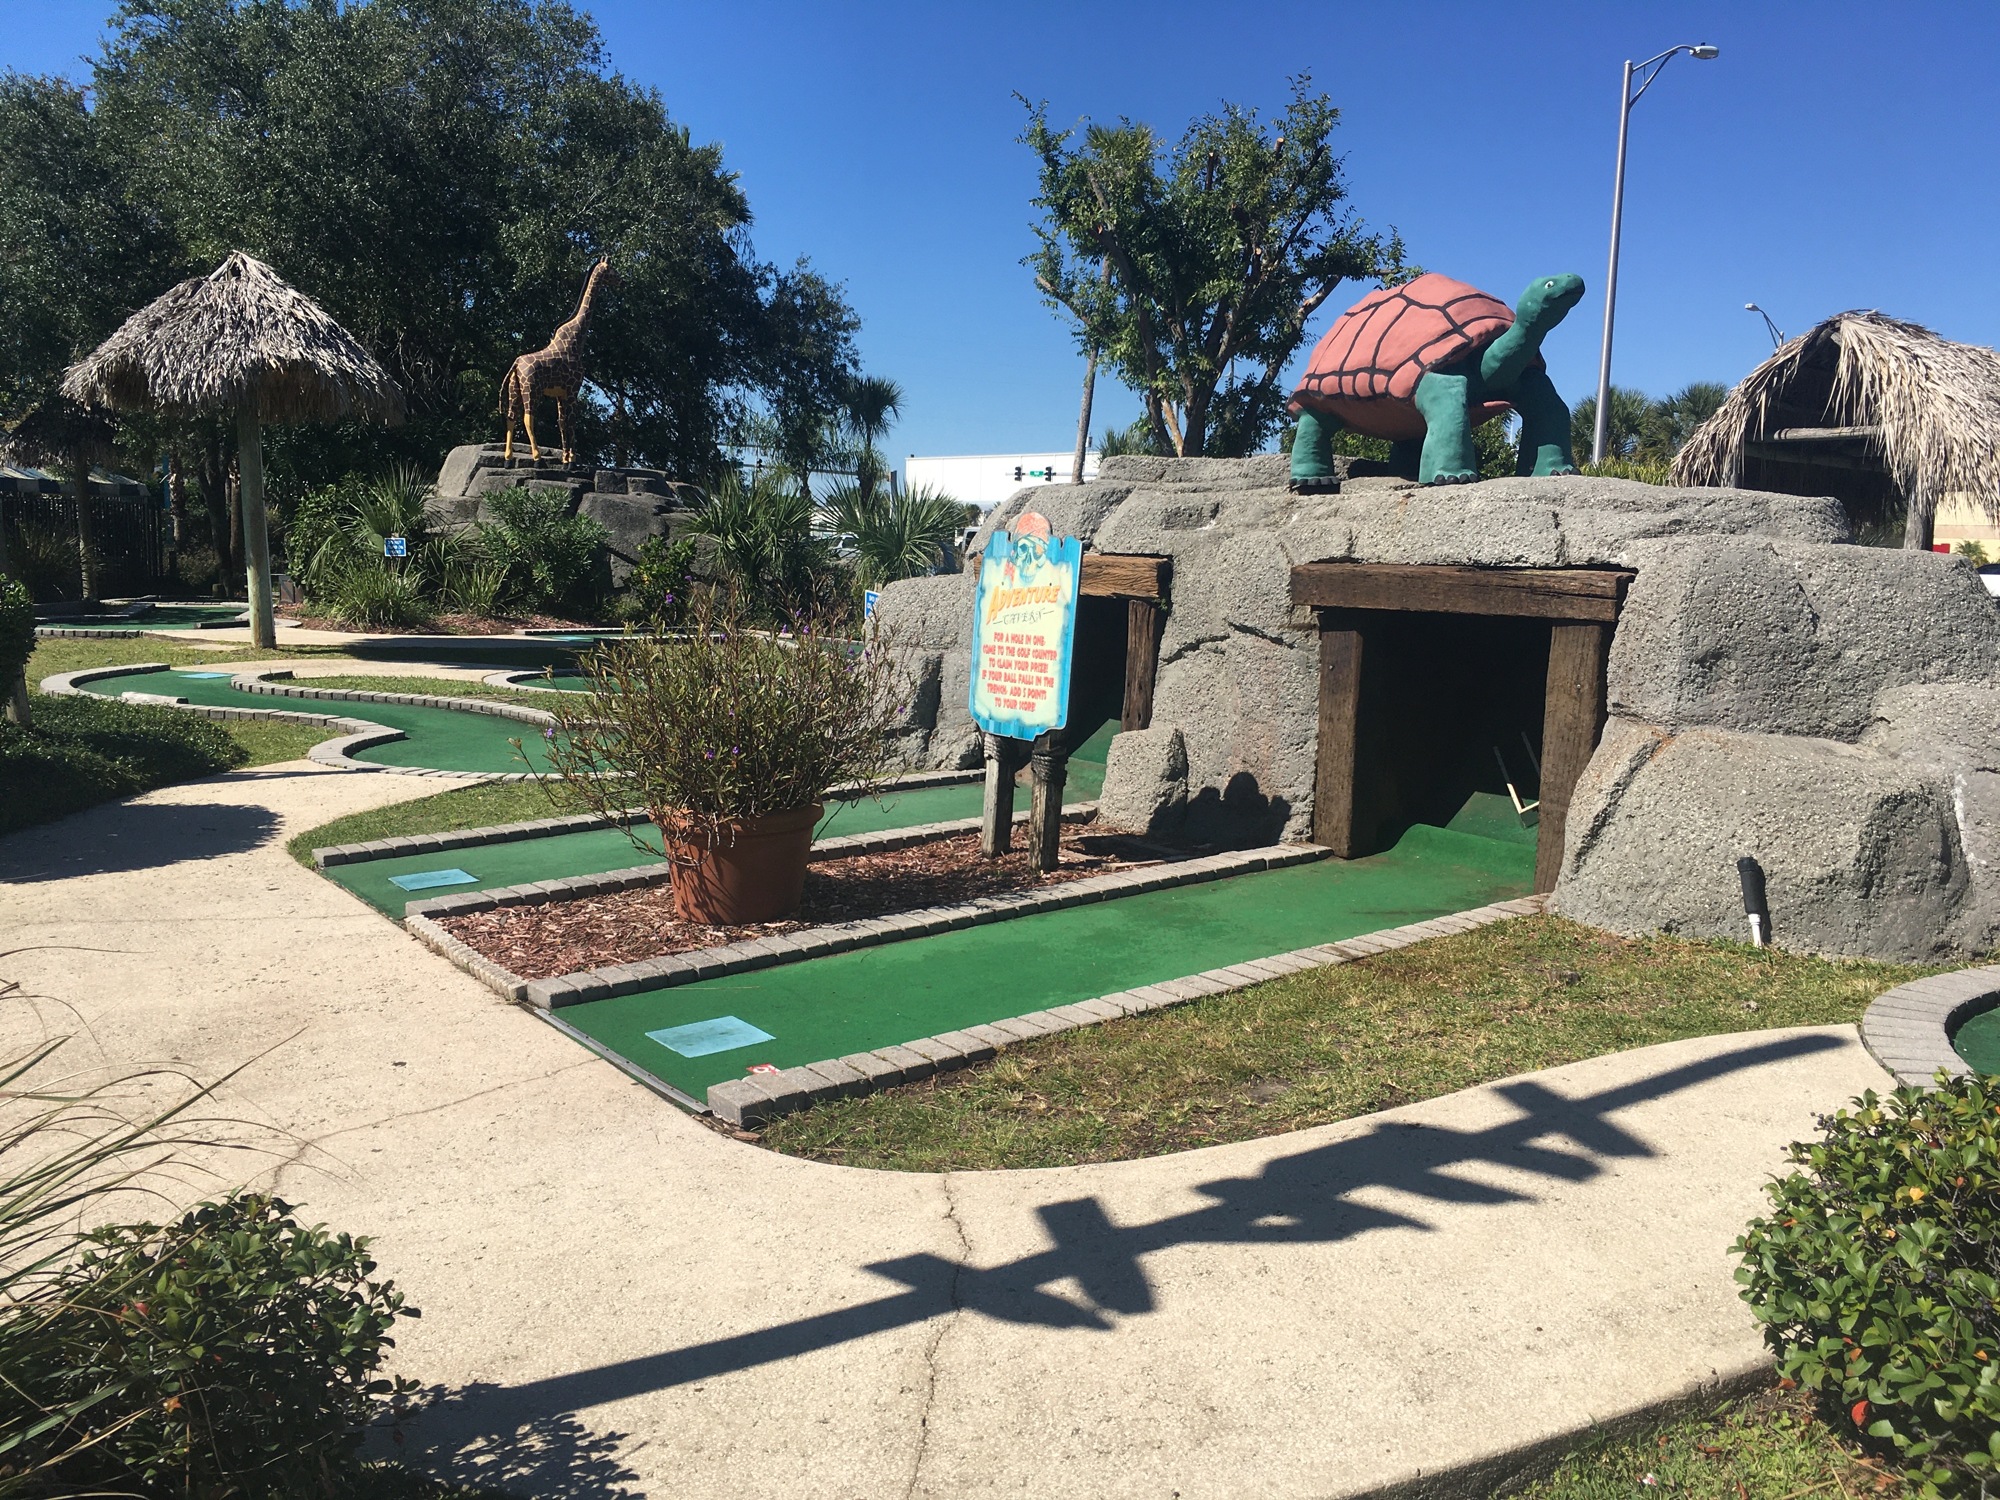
x=1538, y=593
x=1126, y=575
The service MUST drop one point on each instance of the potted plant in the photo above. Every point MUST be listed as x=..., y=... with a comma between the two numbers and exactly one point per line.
x=730, y=738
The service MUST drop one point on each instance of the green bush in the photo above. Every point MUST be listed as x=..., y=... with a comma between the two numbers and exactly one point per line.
x=83, y=750
x=550, y=555
x=17, y=632
x=724, y=722
x=662, y=582
x=234, y=1353
x=371, y=593
x=1877, y=1273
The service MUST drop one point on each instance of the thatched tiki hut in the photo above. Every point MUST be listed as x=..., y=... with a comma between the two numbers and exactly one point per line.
x=1883, y=415
x=69, y=439
x=243, y=340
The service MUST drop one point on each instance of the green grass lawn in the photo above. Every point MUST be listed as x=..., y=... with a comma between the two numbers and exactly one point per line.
x=267, y=741
x=447, y=812
x=1330, y=1044
x=1769, y=1446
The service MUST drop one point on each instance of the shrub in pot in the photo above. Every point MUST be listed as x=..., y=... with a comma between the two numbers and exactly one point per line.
x=1877, y=1273
x=730, y=738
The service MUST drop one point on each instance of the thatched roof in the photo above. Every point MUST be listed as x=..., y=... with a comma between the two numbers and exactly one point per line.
x=59, y=434
x=1934, y=405
x=239, y=336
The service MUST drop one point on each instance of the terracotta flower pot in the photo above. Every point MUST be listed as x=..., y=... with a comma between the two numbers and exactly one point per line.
x=745, y=870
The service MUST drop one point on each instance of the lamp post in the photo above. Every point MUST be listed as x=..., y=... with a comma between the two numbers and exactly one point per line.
x=1777, y=338
x=1627, y=97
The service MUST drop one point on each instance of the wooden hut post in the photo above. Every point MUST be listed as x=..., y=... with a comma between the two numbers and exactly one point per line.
x=256, y=527
x=86, y=529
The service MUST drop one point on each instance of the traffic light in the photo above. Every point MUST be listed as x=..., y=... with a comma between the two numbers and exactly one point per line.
x=1017, y=473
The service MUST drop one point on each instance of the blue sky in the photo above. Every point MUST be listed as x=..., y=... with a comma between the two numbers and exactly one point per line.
x=1836, y=155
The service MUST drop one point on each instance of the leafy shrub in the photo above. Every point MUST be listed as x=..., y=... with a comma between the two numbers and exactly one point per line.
x=370, y=592
x=766, y=548
x=1645, y=470
x=726, y=722
x=234, y=1352
x=1877, y=1273
x=662, y=582
x=474, y=586
x=46, y=562
x=894, y=534
x=84, y=750
x=17, y=632
x=550, y=555
x=1973, y=550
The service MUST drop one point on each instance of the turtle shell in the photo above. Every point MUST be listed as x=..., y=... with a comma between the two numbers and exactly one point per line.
x=1364, y=371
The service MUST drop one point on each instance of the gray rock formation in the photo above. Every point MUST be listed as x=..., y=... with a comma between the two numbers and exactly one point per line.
x=1145, y=782
x=631, y=504
x=1833, y=710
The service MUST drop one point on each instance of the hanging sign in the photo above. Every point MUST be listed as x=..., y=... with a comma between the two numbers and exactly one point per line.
x=1024, y=625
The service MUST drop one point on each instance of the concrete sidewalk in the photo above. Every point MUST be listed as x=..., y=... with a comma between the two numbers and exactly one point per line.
x=620, y=1301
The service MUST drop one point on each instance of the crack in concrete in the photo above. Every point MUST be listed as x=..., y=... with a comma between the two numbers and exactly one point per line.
x=944, y=1326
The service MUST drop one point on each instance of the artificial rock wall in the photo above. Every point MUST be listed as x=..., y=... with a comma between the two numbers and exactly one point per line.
x=1832, y=710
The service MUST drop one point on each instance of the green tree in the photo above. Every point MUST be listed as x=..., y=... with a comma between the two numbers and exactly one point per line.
x=1631, y=422
x=438, y=174
x=872, y=405
x=1220, y=248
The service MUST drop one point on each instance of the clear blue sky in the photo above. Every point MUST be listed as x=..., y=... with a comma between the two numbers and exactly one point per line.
x=1836, y=155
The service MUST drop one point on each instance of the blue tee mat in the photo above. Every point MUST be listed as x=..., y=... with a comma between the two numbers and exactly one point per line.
x=424, y=880
x=702, y=1038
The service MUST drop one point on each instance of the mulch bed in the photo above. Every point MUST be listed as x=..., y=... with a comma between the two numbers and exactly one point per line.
x=588, y=932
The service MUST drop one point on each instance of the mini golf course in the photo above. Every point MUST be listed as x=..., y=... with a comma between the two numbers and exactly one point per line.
x=160, y=617
x=435, y=739
x=1978, y=1041
x=694, y=1035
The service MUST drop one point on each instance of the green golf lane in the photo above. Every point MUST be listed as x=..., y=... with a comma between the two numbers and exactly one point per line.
x=559, y=856
x=1978, y=1041
x=877, y=997
x=161, y=617
x=437, y=739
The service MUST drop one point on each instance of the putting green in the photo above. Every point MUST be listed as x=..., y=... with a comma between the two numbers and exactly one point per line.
x=1978, y=1041
x=877, y=997
x=160, y=617
x=437, y=739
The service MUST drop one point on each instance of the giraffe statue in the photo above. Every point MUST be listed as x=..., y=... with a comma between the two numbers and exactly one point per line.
x=555, y=371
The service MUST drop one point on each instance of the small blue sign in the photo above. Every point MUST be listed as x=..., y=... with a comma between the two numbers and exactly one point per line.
x=701, y=1038
x=868, y=601
x=395, y=546
x=424, y=880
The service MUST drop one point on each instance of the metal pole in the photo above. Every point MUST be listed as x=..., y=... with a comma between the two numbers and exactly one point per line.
x=1611, y=275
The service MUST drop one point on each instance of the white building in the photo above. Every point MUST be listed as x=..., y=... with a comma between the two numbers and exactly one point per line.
x=985, y=479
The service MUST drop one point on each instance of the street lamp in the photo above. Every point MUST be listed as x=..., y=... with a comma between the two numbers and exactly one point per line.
x=1627, y=97
x=1777, y=338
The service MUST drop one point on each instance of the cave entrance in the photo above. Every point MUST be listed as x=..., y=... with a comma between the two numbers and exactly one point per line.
x=1439, y=685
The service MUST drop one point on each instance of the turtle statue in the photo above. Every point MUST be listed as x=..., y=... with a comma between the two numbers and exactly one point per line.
x=1425, y=363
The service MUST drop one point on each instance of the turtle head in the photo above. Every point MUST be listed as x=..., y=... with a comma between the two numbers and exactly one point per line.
x=1548, y=300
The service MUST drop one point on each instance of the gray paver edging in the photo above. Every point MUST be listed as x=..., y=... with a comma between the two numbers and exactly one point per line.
x=507, y=833
x=1908, y=1029
x=336, y=754
x=764, y=1096
x=675, y=969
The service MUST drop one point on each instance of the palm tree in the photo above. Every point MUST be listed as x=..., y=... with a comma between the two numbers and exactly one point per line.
x=765, y=544
x=1626, y=431
x=872, y=404
x=894, y=535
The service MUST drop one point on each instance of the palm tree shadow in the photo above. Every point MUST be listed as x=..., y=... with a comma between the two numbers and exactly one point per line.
x=1306, y=1199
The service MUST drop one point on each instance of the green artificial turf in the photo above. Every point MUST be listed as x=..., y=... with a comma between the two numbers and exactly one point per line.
x=875, y=997
x=1978, y=1041
x=1332, y=1043
x=160, y=617
x=438, y=739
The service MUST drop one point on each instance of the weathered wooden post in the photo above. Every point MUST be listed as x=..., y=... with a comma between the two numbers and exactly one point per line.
x=1050, y=760
x=996, y=827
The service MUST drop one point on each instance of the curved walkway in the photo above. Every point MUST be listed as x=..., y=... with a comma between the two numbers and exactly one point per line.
x=620, y=1301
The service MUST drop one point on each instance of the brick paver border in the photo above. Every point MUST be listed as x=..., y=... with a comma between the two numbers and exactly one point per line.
x=1908, y=1030
x=760, y=1097
x=812, y=942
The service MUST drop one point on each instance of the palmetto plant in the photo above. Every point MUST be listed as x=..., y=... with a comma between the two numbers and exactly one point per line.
x=767, y=546
x=872, y=404
x=893, y=535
